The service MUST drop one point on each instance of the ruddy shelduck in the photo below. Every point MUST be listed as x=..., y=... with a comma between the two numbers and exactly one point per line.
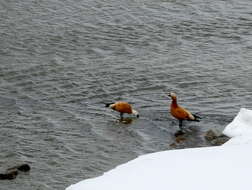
x=123, y=107
x=179, y=112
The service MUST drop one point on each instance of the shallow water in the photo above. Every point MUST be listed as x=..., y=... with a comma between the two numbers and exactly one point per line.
x=60, y=61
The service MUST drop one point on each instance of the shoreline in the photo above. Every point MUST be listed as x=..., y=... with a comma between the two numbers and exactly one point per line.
x=215, y=166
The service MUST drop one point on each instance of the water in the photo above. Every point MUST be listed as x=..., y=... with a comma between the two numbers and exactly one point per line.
x=61, y=60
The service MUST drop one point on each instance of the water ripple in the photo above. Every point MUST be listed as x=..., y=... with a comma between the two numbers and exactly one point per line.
x=62, y=60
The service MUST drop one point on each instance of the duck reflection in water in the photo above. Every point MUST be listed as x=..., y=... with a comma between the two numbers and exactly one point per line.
x=126, y=120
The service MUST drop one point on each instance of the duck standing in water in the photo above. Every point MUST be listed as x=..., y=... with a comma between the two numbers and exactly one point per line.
x=181, y=113
x=123, y=107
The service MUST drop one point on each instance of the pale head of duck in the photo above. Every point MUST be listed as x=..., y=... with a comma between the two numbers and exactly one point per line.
x=172, y=95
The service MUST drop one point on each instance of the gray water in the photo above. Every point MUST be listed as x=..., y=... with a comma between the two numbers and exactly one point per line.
x=61, y=60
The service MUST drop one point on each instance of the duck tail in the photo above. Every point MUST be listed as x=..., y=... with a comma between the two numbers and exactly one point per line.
x=197, y=117
x=107, y=104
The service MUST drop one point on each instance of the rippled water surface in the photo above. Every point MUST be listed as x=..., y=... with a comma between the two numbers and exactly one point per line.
x=61, y=60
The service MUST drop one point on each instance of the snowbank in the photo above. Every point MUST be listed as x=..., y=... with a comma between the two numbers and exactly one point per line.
x=240, y=129
x=219, y=168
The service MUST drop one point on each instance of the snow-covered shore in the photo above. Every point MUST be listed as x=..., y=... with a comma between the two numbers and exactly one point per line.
x=222, y=167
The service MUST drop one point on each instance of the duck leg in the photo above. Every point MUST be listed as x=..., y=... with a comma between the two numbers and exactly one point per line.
x=121, y=115
x=180, y=124
x=181, y=130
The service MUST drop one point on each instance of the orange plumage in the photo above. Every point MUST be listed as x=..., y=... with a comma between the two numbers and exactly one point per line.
x=179, y=112
x=123, y=107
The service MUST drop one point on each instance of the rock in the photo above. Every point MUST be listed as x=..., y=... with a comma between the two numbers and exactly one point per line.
x=180, y=139
x=215, y=137
x=220, y=140
x=212, y=134
x=173, y=145
x=12, y=174
x=24, y=168
x=21, y=167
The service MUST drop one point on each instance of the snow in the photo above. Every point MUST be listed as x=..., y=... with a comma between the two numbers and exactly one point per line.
x=240, y=129
x=222, y=167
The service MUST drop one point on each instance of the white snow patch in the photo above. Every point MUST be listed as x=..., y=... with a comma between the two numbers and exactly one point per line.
x=219, y=168
x=240, y=129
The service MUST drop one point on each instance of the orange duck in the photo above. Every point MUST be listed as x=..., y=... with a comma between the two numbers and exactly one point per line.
x=179, y=112
x=123, y=107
